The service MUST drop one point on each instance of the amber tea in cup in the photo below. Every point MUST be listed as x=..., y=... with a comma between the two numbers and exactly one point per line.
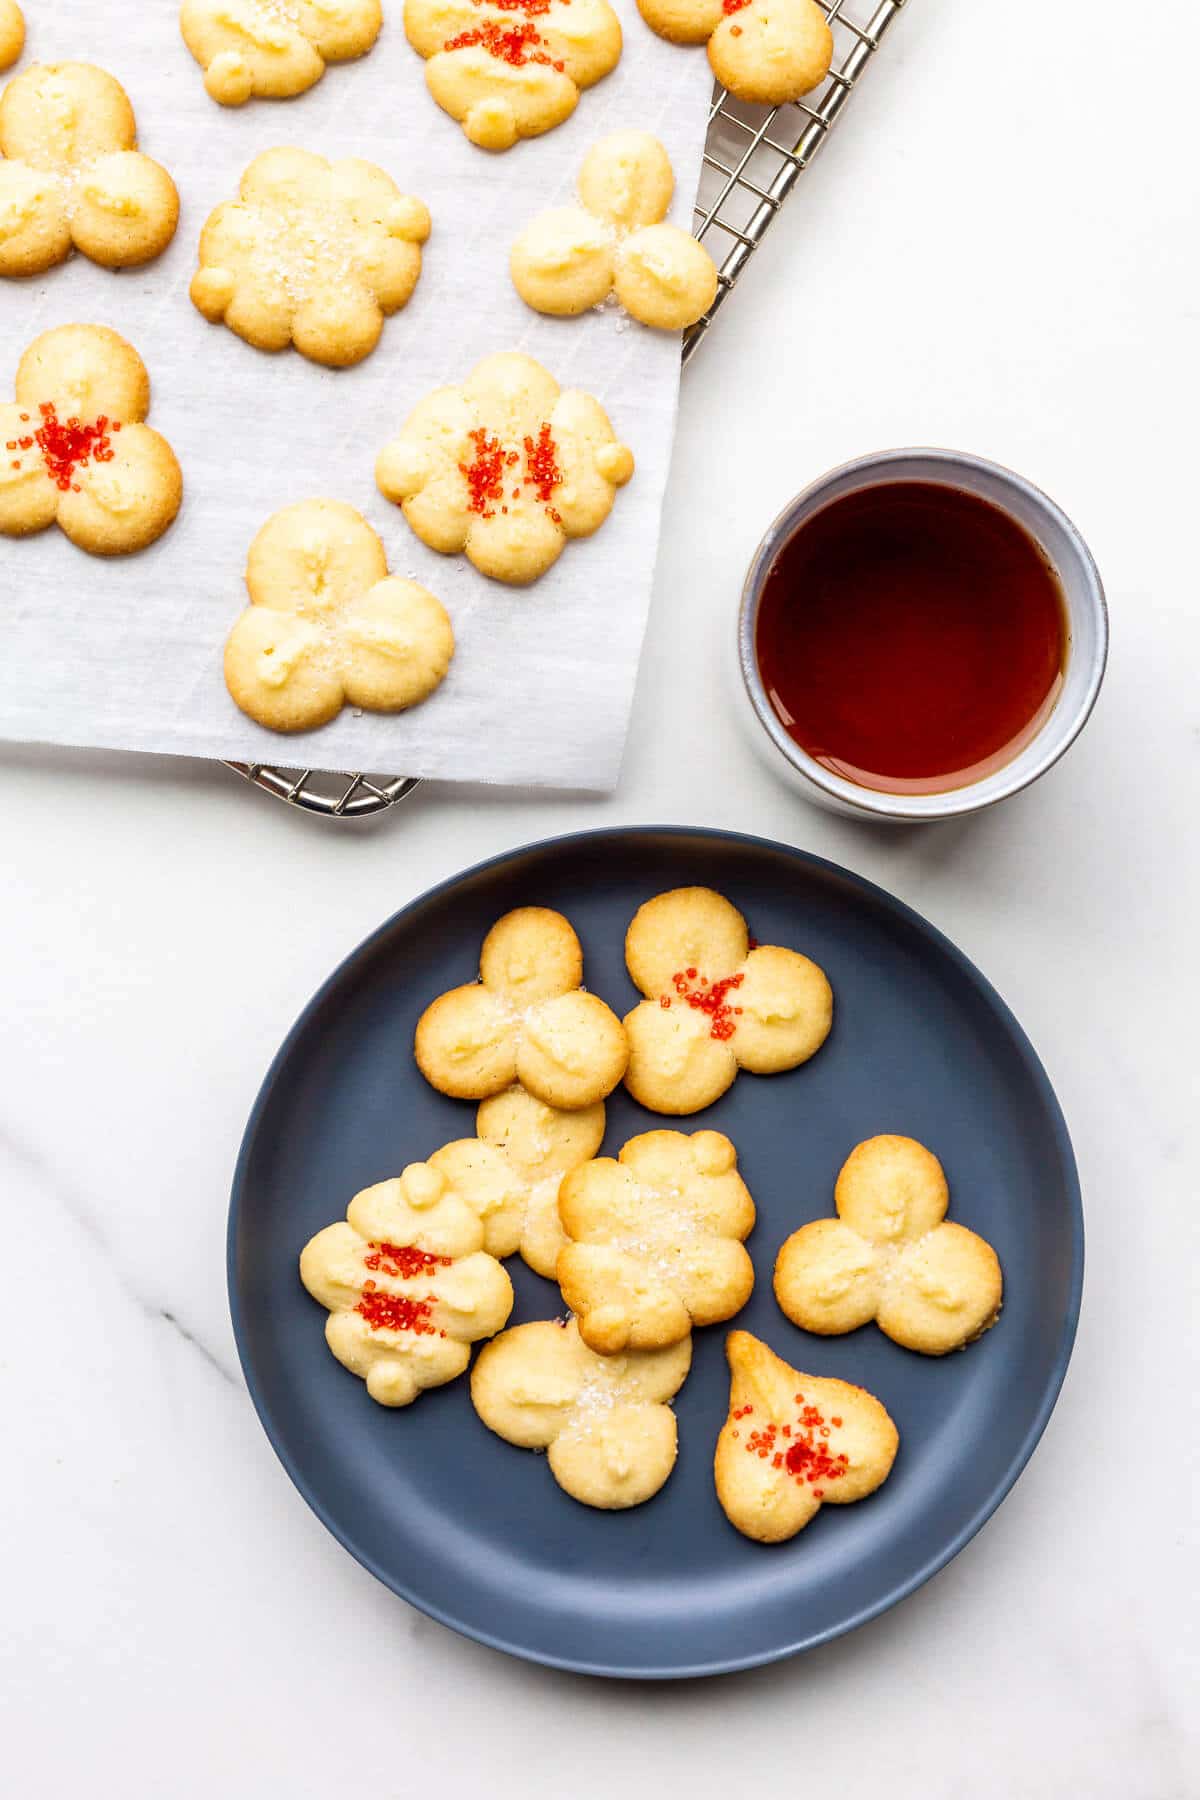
x=911, y=637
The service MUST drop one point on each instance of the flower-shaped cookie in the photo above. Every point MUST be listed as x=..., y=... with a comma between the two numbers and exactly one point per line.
x=526, y=1019
x=763, y=51
x=604, y=1421
x=510, y=1172
x=506, y=467
x=73, y=447
x=72, y=174
x=509, y=69
x=656, y=1240
x=274, y=48
x=714, y=1003
x=327, y=625
x=793, y=1441
x=407, y=1285
x=311, y=253
x=12, y=33
x=891, y=1255
x=615, y=241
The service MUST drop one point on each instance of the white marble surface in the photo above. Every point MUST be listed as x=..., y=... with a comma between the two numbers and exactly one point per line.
x=998, y=251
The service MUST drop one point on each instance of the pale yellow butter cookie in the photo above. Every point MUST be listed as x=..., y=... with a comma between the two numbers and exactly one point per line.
x=407, y=1284
x=12, y=33
x=311, y=253
x=327, y=626
x=763, y=51
x=74, y=450
x=72, y=176
x=509, y=1173
x=891, y=1255
x=506, y=467
x=794, y=1442
x=274, y=48
x=604, y=1421
x=714, y=1004
x=655, y=1240
x=526, y=1019
x=614, y=241
x=509, y=69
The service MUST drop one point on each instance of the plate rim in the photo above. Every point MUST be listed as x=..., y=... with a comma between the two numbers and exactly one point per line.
x=945, y=1554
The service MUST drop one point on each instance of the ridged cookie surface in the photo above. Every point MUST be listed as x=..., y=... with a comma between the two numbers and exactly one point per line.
x=274, y=48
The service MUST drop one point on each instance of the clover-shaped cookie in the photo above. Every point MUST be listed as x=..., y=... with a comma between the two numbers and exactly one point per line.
x=274, y=48
x=73, y=448
x=655, y=1240
x=614, y=241
x=511, y=1170
x=506, y=467
x=509, y=69
x=715, y=1003
x=763, y=51
x=72, y=175
x=311, y=253
x=526, y=1019
x=793, y=1441
x=891, y=1255
x=407, y=1284
x=604, y=1421
x=12, y=33
x=327, y=626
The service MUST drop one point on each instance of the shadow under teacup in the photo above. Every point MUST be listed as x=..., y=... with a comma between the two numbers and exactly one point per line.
x=921, y=634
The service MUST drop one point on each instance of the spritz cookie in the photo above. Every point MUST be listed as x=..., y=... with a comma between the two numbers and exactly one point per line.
x=714, y=1004
x=509, y=69
x=614, y=241
x=72, y=175
x=538, y=1145
x=311, y=253
x=12, y=33
x=793, y=1442
x=763, y=51
x=526, y=1019
x=327, y=626
x=891, y=1255
x=509, y=1173
x=655, y=1240
x=407, y=1284
x=604, y=1421
x=506, y=467
x=74, y=450
x=274, y=48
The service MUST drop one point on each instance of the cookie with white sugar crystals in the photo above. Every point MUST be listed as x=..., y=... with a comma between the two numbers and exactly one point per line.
x=655, y=1240
x=327, y=626
x=506, y=467
x=312, y=253
x=604, y=1421
x=72, y=176
x=74, y=449
x=512, y=69
x=615, y=241
x=274, y=49
x=407, y=1285
x=714, y=1002
x=764, y=51
x=794, y=1442
x=527, y=1019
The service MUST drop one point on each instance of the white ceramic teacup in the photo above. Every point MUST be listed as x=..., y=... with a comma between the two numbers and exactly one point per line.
x=1087, y=629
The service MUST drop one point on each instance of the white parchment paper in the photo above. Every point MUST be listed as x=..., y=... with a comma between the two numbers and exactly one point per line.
x=127, y=654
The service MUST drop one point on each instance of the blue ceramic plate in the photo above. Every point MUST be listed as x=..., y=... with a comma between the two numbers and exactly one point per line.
x=476, y=1533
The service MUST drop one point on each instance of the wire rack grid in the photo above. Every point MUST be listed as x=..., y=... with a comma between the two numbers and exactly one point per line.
x=753, y=157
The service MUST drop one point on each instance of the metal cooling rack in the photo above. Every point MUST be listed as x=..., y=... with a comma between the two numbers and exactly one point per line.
x=753, y=157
